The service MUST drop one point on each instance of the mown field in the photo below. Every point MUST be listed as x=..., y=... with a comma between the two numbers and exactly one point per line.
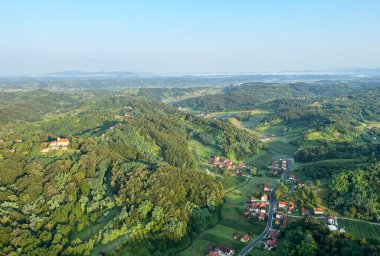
x=202, y=153
x=360, y=229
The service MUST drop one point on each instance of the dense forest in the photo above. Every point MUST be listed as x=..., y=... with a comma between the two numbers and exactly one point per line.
x=309, y=236
x=356, y=193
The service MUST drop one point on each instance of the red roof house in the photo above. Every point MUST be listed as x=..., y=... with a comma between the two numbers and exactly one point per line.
x=245, y=238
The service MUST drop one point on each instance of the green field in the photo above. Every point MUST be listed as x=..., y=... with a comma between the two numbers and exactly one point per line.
x=360, y=229
x=262, y=159
x=202, y=153
x=282, y=147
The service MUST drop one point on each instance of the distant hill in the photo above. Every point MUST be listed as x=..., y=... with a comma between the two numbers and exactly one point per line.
x=78, y=73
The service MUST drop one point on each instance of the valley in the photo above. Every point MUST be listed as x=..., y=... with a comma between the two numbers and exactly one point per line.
x=133, y=168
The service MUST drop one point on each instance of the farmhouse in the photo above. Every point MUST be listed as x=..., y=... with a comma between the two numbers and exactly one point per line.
x=274, y=234
x=331, y=220
x=57, y=144
x=236, y=235
x=245, y=238
x=261, y=216
x=318, y=210
x=291, y=207
x=279, y=215
x=219, y=250
x=282, y=204
x=267, y=188
x=264, y=197
x=271, y=243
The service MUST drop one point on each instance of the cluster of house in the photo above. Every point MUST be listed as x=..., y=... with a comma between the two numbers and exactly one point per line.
x=276, y=165
x=243, y=239
x=220, y=163
x=256, y=207
x=298, y=181
x=284, y=208
x=59, y=144
x=281, y=219
x=219, y=250
x=272, y=241
x=332, y=224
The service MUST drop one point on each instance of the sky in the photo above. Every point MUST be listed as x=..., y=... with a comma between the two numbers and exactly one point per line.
x=197, y=36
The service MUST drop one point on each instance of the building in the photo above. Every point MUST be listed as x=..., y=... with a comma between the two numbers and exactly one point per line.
x=270, y=244
x=267, y=188
x=245, y=238
x=219, y=250
x=63, y=142
x=274, y=234
x=291, y=207
x=236, y=235
x=264, y=197
x=261, y=216
x=279, y=215
x=282, y=204
x=318, y=210
x=330, y=220
x=56, y=145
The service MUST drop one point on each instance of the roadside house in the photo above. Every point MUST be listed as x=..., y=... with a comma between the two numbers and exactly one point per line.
x=318, y=210
x=245, y=238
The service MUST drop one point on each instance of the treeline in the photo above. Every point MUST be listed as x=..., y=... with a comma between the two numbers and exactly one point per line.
x=254, y=94
x=309, y=236
x=356, y=193
x=307, y=155
x=33, y=105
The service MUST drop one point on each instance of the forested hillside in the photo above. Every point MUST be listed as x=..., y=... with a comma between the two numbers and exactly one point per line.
x=127, y=168
x=253, y=94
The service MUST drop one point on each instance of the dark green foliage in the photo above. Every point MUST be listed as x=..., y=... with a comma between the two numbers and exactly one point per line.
x=356, y=193
x=309, y=236
x=307, y=155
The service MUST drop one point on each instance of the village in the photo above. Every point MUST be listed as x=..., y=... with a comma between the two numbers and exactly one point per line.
x=256, y=208
x=228, y=166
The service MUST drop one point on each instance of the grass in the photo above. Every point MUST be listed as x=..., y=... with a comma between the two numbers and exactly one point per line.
x=360, y=230
x=220, y=234
x=282, y=147
x=261, y=159
x=202, y=153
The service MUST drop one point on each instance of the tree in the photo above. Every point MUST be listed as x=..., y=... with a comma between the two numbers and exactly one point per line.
x=253, y=170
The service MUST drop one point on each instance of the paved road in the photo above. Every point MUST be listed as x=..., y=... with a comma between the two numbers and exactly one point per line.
x=272, y=207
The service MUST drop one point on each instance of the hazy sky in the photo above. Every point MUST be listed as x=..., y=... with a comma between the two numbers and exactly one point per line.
x=188, y=36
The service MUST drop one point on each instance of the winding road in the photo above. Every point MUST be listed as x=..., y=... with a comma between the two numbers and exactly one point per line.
x=272, y=208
